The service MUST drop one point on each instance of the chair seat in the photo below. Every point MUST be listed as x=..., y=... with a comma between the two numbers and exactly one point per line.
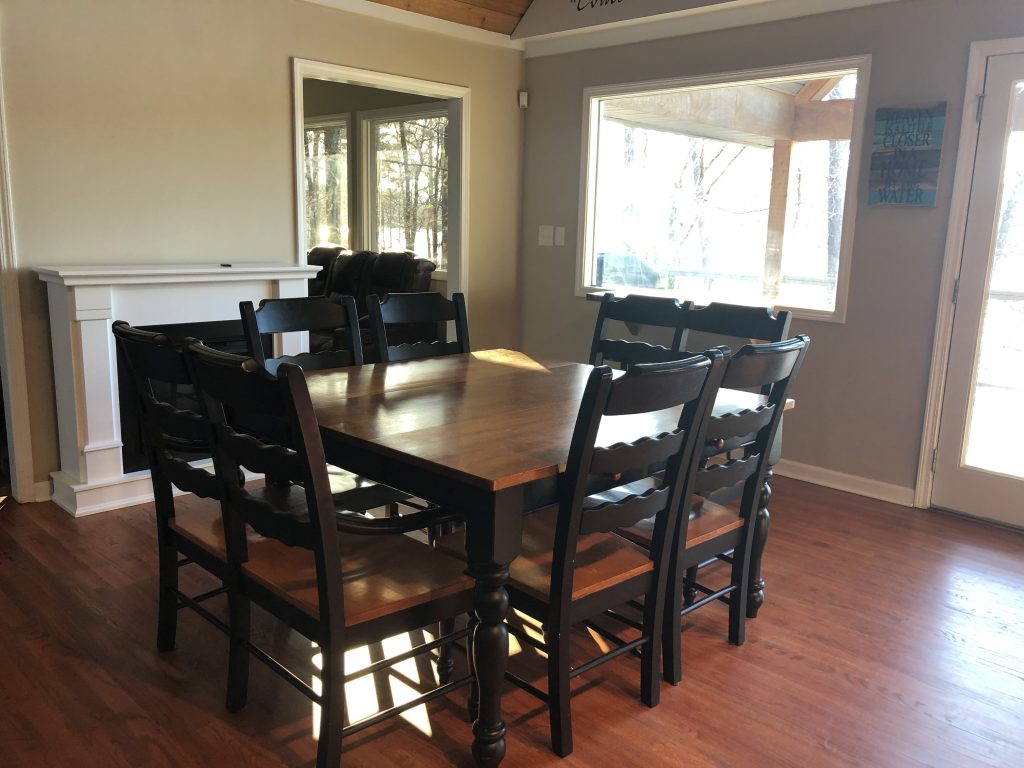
x=602, y=559
x=200, y=521
x=708, y=521
x=382, y=575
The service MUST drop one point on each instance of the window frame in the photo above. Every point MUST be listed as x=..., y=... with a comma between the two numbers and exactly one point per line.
x=367, y=121
x=589, y=151
x=331, y=121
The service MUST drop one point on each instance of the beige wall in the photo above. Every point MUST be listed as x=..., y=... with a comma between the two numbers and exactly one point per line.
x=156, y=131
x=861, y=392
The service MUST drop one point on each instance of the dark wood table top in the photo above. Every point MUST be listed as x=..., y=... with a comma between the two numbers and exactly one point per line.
x=493, y=419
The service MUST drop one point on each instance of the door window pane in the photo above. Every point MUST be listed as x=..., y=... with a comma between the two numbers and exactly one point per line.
x=326, y=184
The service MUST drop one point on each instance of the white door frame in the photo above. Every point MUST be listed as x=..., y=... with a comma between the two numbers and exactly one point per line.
x=970, y=124
x=458, y=155
x=12, y=346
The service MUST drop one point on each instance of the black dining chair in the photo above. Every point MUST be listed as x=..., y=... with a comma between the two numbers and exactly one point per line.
x=638, y=312
x=334, y=318
x=406, y=326
x=573, y=569
x=338, y=579
x=174, y=434
x=713, y=530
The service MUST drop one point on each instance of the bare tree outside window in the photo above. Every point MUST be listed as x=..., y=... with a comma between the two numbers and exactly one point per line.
x=733, y=192
x=326, y=184
x=412, y=186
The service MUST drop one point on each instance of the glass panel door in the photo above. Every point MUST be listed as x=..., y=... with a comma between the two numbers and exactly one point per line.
x=980, y=466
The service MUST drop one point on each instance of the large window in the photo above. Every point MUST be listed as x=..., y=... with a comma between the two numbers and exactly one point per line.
x=408, y=182
x=731, y=191
x=326, y=182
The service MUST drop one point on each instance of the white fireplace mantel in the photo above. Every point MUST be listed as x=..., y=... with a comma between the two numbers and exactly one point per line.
x=84, y=301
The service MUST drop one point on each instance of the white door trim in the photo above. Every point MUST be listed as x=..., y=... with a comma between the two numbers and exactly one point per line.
x=12, y=347
x=458, y=170
x=980, y=53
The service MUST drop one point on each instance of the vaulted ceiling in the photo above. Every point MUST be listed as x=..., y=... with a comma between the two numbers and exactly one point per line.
x=493, y=15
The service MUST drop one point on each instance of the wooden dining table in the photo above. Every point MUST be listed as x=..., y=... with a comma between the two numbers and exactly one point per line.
x=485, y=434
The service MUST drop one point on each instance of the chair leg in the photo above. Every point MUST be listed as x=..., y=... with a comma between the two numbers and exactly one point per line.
x=167, y=611
x=671, y=631
x=738, y=599
x=332, y=707
x=558, y=693
x=445, y=659
x=650, y=657
x=238, y=650
x=473, y=702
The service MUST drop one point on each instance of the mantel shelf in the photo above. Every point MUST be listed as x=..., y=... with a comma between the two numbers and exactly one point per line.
x=172, y=273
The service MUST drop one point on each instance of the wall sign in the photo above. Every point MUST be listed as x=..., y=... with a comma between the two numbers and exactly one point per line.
x=905, y=155
x=544, y=17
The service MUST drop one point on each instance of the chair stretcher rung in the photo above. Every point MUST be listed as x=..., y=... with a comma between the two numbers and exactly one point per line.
x=711, y=597
x=186, y=601
x=624, y=648
x=530, y=689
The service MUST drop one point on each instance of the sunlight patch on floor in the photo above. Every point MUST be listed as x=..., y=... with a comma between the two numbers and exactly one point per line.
x=362, y=698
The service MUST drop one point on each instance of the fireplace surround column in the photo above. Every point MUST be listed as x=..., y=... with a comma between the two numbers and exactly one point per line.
x=83, y=303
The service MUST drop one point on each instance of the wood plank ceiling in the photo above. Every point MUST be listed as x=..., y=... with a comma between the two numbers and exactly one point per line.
x=493, y=15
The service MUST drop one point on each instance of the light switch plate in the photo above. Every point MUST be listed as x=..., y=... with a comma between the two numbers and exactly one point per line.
x=559, y=235
x=546, y=234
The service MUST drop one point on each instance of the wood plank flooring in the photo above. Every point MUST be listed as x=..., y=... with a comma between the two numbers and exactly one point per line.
x=890, y=637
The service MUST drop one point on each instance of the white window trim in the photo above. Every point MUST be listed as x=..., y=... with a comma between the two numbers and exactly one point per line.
x=591, y=95
x=368, y=163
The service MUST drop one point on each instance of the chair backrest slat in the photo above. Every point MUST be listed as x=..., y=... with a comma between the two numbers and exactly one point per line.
x=335, y=316
x=636, y=311
x=396, y=316
x=729, y=473
x=740, y=423
x=623, y=514
x=644, y=452
x=740, y=321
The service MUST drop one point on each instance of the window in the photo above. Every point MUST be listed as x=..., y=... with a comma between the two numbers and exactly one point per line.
x=734, y=190
x=408, y=178
x=325, y=176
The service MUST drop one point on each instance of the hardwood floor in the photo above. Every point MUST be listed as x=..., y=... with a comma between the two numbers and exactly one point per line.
x=890, y=637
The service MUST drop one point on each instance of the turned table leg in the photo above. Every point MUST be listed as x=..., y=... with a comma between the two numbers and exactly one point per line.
x=492, y=542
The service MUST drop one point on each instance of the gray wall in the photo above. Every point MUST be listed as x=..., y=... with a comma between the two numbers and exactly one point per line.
x=861, y=392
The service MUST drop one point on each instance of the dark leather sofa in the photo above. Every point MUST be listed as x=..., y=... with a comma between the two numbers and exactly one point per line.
x=360, y=273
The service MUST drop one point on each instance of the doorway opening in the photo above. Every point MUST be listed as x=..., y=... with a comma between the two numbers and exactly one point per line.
x=379, y=165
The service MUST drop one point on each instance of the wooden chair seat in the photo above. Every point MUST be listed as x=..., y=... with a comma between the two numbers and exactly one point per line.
x=708, y=521
x=602, y=559
x=381, y=575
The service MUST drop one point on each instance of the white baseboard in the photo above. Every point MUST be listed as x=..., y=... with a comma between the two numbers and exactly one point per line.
x=830, y=478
